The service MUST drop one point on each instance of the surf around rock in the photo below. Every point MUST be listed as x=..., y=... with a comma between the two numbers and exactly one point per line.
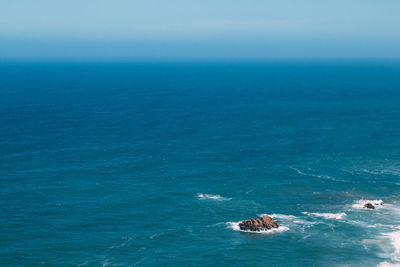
x=259, y=224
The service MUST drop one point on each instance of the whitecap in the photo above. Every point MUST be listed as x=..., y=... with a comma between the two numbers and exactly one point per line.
x=235, y=226
x=209, y=196
x=337, y=216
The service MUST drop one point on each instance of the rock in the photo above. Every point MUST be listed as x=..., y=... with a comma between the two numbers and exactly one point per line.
x=256, y=224
x=267, y=220
x=369, y=206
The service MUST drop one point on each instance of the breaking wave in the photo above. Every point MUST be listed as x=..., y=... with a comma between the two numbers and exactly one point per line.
x=337, y=216
x=394, y=238
x=209, y=196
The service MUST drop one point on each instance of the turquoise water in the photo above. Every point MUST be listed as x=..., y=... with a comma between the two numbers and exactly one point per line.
x=143, y=164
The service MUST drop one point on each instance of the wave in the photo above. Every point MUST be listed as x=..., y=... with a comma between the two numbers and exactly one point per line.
x=248, y=192
x=372, y=225
x=320, y=176
x=337, y=216
x=280, y=216
x=209, y=196
x=126, y=240
x=289, y=219
x=235, y=226
x=387, y=171
x=388, y=264
x=394, y=238
x=361, y=203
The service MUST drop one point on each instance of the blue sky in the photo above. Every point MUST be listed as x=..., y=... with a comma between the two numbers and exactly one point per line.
x=199, y=29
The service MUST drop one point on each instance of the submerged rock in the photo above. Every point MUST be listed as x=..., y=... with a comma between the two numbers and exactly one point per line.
x=256, y=224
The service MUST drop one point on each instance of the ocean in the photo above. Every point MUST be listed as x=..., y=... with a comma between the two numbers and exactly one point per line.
x=155, y=163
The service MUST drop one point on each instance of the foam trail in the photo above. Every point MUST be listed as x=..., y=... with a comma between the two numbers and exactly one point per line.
x=387, y=171
x=288, y=219
x=209, y=196
x=327, y=177
x=235, y=226
x=388, y=264
x=122, y=244
x=337, y=216
x=280, y=216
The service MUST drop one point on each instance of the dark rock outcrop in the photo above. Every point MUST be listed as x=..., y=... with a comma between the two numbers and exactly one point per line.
x=256, y=224
x=369, y=206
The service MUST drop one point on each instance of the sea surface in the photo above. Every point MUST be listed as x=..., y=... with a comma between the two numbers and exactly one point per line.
x=153, y=164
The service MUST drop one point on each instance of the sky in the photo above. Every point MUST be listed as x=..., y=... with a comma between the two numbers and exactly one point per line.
x=205, y=29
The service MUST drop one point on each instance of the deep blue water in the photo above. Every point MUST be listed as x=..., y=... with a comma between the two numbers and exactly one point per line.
x=104, y=164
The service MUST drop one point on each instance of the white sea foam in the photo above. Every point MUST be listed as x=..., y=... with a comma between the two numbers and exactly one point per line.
x=361, y=203
x=394, y=238
x=337, y=216
x=280, y=216
x=209, y=196
x=235, y=226
x=288, y=219
x=369, y=225
x=388, y=264
x=380, y=225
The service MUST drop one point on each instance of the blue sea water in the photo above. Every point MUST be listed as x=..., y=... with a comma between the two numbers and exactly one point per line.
x=144, y=164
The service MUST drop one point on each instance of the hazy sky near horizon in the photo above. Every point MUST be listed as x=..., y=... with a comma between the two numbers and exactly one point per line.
x=207, y=28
